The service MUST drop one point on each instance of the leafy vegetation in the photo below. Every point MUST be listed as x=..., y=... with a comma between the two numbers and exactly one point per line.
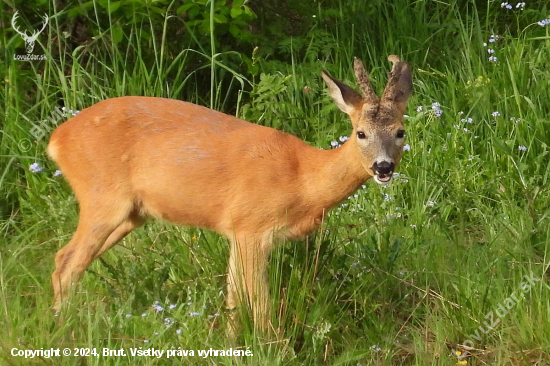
x=403, y=275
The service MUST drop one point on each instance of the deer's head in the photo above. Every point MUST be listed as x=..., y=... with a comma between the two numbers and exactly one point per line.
x=377, y=122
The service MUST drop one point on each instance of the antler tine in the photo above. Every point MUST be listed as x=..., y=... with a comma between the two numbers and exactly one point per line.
x=399, y=86
x=14, y=26
x=45, y=23
x=396, y=68
x=363, y=80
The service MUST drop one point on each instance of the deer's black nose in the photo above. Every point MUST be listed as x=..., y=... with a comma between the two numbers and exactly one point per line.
x=383, y=167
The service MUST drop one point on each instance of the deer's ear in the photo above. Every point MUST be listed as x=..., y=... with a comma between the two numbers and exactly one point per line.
x=345, y=97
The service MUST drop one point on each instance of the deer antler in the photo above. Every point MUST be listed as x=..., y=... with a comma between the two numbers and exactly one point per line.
x=14, y=26
x=363, y=80
x=36, y=33
x=399, y=87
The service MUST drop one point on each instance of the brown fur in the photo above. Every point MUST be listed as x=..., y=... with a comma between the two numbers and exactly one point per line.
x=131, y=158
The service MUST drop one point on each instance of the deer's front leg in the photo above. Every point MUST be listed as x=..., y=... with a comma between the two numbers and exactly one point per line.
x=247, y=282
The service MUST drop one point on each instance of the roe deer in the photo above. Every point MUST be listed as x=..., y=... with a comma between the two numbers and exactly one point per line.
x=129, y=158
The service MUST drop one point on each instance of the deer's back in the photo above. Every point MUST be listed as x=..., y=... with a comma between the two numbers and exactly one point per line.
x=181, y=162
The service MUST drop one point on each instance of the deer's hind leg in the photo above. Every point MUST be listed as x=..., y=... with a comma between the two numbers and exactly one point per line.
x=99, y=228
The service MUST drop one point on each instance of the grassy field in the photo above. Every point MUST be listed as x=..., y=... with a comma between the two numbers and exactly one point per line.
x=446, y=266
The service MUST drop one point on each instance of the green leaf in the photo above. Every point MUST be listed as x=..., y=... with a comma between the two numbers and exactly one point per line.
x=117, y=33
x=235, y=12
x=193, y=12
x=219, y=18
x=522, y=167
x=185, y=7
x=205, y=26
x=193, y=23
x=158, y=10
x=237, y=3
x=501, y=146
x=113, y=6
x=145, y=35
x=234, y=30
x=74, y=12
x=249, y=12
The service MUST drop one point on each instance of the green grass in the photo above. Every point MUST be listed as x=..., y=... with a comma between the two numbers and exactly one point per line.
x=402, y=275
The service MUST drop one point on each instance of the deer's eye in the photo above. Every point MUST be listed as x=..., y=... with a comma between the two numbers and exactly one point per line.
x=361, y=135
x=400, y=134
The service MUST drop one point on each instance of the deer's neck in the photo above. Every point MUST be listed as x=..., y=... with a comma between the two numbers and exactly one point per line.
x=332, y=175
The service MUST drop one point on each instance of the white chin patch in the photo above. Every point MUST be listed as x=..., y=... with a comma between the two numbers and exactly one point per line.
x=385, y=179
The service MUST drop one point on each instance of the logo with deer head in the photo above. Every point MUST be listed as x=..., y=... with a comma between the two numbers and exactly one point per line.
x=29, y=40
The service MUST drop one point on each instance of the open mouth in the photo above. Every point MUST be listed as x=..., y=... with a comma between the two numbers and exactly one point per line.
x=382, y=178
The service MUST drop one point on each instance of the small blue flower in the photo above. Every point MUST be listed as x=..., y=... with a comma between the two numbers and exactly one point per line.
x=57, y=173
x=194, y=313
x=407, y=147
x=173, y=306
x=334, y=143
x=544, y=22
x=343, y=138
x=495, y=114
x=493, y=59
x=522, y=148
x=419, y=109
x=157, y=307
x=168, y=322
x=506, y=5
x=436, y=107
x=35, y=168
